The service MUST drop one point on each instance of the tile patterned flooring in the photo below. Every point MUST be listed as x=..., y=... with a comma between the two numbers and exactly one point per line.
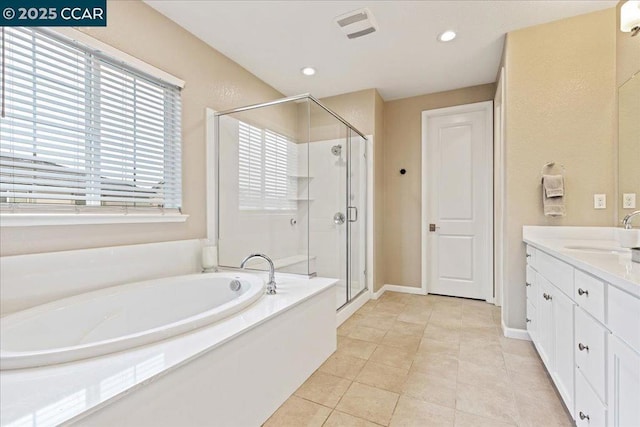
x=411, y=360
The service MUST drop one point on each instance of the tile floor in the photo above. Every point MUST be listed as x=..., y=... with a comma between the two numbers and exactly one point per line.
x=410, y=360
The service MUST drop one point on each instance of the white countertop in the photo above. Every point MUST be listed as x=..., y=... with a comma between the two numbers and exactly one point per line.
x=56, y=394
x=614, y=268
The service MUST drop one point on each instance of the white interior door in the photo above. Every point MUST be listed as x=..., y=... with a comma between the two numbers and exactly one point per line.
x=458, y=201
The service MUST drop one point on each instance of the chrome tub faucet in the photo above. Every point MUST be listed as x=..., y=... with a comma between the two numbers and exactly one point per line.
x=626, y=222
x=271, y=286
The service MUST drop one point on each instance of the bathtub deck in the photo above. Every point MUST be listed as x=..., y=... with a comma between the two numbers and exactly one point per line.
x=67, y=393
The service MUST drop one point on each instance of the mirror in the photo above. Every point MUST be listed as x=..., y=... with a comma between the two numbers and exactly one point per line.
x=629, y=143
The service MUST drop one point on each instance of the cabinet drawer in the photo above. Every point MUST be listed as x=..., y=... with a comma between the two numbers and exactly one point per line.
x=531, y=256
x=555, y=271
x=530, y=284
x=590, y=350
x=531, y=320
x=589, y=294
x=590, y=412
x=623, y=312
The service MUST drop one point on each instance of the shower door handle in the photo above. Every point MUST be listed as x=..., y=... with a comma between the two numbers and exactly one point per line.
x=352, y=218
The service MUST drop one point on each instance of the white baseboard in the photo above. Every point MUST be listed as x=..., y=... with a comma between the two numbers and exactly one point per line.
x=377, y=294
x=397, y=288
x=347, y=311
x=405, y=289
x=519, y=334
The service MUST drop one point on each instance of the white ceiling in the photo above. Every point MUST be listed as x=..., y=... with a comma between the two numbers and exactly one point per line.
x=275, y=39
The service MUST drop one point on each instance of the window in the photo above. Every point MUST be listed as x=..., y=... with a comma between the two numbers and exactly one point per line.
x=266, y=164
x=84, y=132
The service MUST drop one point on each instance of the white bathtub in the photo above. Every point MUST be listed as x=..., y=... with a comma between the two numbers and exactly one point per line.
x=121, y=317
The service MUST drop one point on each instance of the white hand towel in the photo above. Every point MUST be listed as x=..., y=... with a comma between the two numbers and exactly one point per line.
x=553, y=195
x=553, y=185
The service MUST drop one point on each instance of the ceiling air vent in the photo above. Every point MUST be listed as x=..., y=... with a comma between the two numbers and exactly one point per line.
x=357, y=23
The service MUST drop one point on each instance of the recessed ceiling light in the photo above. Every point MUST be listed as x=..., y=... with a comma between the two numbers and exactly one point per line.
x=447, y=36
x=308, y=71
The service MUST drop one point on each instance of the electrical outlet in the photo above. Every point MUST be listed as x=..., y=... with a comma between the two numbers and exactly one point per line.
x=599, y=201
x=629, y=201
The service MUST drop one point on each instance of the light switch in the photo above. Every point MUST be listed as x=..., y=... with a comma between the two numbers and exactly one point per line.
x=629, y=201
x=599, y=201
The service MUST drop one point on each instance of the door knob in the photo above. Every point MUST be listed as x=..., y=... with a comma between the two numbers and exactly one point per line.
x=339, y=218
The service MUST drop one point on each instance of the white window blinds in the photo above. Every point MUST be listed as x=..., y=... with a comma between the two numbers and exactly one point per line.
x=84, y=132
x=266, y=164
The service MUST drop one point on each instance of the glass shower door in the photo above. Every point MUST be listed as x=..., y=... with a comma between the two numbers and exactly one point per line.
x=356, y=208
x=328, y=225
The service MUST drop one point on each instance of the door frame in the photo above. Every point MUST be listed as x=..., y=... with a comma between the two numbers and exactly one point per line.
x=499, y=195
x=487, y=108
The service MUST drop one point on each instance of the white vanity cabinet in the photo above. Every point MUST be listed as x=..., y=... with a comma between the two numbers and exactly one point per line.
x=587, y=332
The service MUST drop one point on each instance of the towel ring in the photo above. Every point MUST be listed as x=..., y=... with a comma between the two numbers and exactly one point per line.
x=550, y=165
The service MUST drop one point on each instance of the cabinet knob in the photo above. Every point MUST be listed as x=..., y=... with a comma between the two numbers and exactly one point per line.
x=583, y=347
x=583, y=416
x=528, y=320
x=528, y=255
x=527, y=284
x=547, y=296
x=583, y=292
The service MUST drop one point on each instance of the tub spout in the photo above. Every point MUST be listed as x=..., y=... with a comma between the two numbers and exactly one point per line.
x=271, y=286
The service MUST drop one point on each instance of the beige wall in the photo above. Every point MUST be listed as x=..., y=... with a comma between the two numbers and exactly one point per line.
x=560, y=103
x=212, y=80
x=365, y=110
x=358, y=108
x=402, y=193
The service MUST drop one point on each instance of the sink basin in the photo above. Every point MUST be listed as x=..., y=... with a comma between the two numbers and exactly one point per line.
x=597, y=249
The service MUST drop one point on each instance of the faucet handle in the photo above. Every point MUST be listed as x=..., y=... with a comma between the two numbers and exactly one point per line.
x=271, y=288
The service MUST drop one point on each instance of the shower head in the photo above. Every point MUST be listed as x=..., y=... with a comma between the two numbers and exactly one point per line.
x=336, y=150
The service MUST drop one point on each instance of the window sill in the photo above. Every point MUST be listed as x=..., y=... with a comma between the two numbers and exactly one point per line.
x=34, y=219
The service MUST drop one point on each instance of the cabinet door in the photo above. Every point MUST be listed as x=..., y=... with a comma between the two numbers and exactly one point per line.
x=544, y=330
x=532, y=321
x=530, y=284
x=623, y=384
x=563, y=330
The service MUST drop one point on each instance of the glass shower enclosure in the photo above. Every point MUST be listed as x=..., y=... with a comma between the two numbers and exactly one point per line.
x=292, y=177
